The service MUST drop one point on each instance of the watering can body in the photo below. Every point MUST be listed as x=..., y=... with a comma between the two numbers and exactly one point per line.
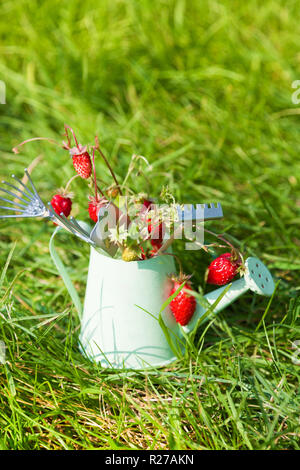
x=120, y=327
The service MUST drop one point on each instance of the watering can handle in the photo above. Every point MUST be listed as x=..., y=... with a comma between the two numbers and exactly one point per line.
x=64, y=275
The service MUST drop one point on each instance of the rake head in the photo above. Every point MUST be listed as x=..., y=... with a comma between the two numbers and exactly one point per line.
x=25, y=203
x=200, y=212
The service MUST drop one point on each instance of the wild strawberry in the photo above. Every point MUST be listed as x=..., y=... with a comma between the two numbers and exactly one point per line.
x=81, y=158
x=82, y=162
x=146, y=204
x=223, y=269
x=183, y=305
x=94, y=207
x=156, y=229
x=61, y=204
x=156, y=232
x=144, y=254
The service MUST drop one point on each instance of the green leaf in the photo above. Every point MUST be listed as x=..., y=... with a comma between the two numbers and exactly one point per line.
x=64, y=275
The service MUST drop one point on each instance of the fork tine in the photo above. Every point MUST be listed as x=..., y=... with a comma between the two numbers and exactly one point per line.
x=16, y=209
x=53, y=214
x=32, y=185
x=31, y=195
x=66, y=223
x=74, y=229
x=18, y=189
x=78, y=227
x=13, y=194
x=28, y=204
x=12, y=202
x=15, y=216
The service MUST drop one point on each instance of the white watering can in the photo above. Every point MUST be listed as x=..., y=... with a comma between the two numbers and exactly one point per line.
x=119, y=325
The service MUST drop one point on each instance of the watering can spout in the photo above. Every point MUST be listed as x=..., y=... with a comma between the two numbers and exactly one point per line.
x=257, y=278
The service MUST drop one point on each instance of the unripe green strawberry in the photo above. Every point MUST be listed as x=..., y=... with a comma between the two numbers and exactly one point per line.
x=113, y=192
x=130, y=254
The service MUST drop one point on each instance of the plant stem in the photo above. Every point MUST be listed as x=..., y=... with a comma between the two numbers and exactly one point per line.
x=52, y=141
x=100, y=190
x=220, y=238
x=73, y=134
x=234, y=250
x=170, y=240
x=95, y=179
x=69, y=182
x=107, y=164
x=177, y=259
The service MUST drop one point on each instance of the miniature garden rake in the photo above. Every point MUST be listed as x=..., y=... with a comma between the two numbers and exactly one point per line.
x=26, y=203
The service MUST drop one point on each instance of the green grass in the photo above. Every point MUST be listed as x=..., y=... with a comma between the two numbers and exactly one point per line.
x=203, y=90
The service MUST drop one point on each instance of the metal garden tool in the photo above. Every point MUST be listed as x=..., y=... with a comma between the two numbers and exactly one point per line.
x=99, y=233
x=199, y=212
x=192, y=213
x=26, y=203
x=185, y=213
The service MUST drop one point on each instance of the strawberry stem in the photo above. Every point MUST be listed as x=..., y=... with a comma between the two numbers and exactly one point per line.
x=107, y=163
x=220, y=238
x=234, y=250
x=95, y=178
x=67, y=128
x=69, y=182
x=99, y=189
x=52, y=141
x=177, y=259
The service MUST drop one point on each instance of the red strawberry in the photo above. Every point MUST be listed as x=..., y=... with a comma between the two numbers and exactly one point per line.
x=183, y=305
x=61, y=204
x=146, y=204
x=82, y=164
x=81, y=158
x=94, y=207
x=157, y=229
x=156, y=232
x=222, y=269
x=148, y=253
x=143, y=254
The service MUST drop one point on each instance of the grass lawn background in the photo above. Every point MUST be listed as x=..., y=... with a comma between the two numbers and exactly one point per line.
x=203, y=90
